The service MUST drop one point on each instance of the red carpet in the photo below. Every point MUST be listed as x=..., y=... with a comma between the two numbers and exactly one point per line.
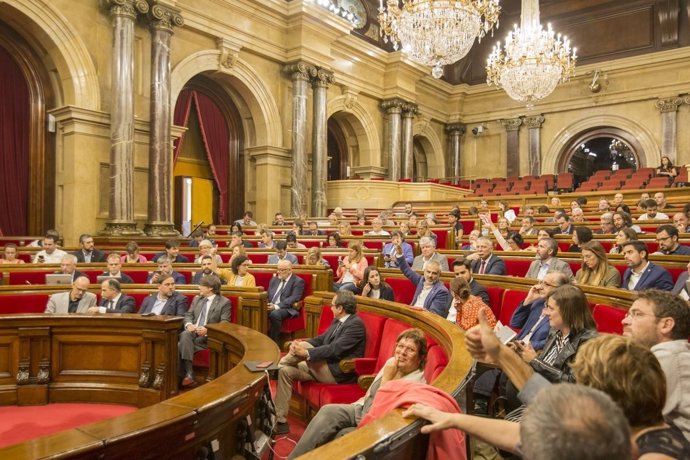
x=19, y=424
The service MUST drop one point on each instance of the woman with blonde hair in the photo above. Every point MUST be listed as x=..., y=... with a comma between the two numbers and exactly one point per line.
x=596, y=270
x=631, y=375
x=237, y=251
x=314, y=257
x=345, y=229
x=351, y=268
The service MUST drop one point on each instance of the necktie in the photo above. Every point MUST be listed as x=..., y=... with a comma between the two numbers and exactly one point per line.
x=276, y=297
x=338, y=325
x=482, y=267
x=202, y=316
x=110, y=305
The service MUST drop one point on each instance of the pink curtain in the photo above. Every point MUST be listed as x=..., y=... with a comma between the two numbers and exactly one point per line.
x=14, y=147
x=214, y=133
x=181, y=118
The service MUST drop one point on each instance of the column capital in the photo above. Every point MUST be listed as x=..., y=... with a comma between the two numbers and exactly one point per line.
x=455, y=128
x=668, y=104
x=321, y=78
x=409, y=110
x=511, y=124
x=164, y=17
x=533, y=122
x=299, y=70
x=128, y=8
x=394, y=105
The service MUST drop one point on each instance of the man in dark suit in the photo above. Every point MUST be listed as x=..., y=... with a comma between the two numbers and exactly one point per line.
x=486, y=263
x=166, y=301
x=431, y=294
x=547, y=262
x=113, y=300
x=564, y=226
x=284, y=291
x=165, y=268
x=462, y=269
x=115, y=269
x=88, y=253
x=313, y=229
x=641, y=273
x=318, y=358
x=68, y=266
x=207, y=308
x=681, y=287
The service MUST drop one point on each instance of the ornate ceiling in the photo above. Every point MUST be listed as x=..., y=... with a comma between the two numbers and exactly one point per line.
x=601, y=30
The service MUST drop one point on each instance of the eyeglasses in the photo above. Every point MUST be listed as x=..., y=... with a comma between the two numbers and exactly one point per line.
x=659, y=239
x=634, y=314
x=546, y=283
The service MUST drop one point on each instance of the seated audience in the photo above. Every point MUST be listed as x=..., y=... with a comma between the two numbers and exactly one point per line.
x=50, y=254
x=236, y=240
x=285, y=290
x=344, y=228
x=652, y=212
x=547, y=261
x=681, y=288
x=681, y=222
x=388, y=251
x=471, y=241
x=39, y=242
x=318, y=359
x=292, y=243
x=641, y=273
x=604, y=205
x=278, y=220
x=667, y=237
x=333, y=240
x=115, y=269
x=350, y=270
x=196, y=238
x=209, y=307
x=166, y=301
x=564, y=225
x=661, y=321
x=68, y=266
x=281, y=253
x=238, y=275
x=206, y=269
x=10, y=255
x=373, y=285
x=266, y=239
x=430, y=293
x=467, y=305
x=247, y=219
x=335, y=420
x=623, y=236
x=237, y=251
x=581, y=235
x=165, y=268
x=527, y=227
x=661, y=203
x=606, y=226
x=622, y=219
x=313, y=229
x=206, y=248
x=77, y=300
x=666, y=168
x=377, y=228
x=87, y=253
x=462, y=269
x=172, y=252
x=428, y=254
x=132, y=256
x=596, y=270
x=455, y=225
x=113, y=300
x=314, y=257
x=484, y=262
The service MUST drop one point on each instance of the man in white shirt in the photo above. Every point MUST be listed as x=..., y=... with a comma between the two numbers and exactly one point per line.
x=377, y=228
x=50, y=253
x=428, y=247
x=652, y=213
x=113, y=300
x=547, y=262
x=661, y=321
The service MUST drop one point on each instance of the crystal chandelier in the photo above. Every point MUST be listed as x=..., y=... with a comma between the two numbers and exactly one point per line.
x=534, y=60
x=436, y=32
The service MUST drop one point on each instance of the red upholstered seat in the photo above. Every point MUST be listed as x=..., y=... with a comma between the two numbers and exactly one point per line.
x=391, y=329
x=511, y=300
x=495, y=299
x=608, y=318
x=403, y=289
x=23, y=303
x=258, y=257
x=436, y=361
x=517, y=267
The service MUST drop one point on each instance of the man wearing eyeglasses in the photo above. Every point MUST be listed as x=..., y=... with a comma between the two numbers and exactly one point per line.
x=284, y=291
x=667, y=237
x=661, y=321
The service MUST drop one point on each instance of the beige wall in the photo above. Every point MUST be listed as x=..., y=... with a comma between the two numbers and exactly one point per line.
x=244, y=44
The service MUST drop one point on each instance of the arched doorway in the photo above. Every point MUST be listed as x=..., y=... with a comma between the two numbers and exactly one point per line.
x=420, y=169
x=337, y=151
x=210, y=155
x=29, y=150
x=603, y=148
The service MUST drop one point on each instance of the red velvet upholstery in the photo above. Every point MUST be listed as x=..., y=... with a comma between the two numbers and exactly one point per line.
x=403, y=289
x=391, y=329
x=517, y=267
x=495, y=299
x=608, y=318
x=436, y=359
x=23, y=303
x=258, y=257
x=511, y=300
x=374, y=325
x=325, y=319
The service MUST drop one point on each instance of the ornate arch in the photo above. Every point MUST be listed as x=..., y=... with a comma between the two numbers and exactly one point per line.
x=70, y=56
x=246, y=84
x=648, y=152
x=433, y=147
x=363, y=128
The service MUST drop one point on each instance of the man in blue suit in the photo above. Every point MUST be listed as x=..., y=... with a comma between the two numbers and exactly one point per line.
x=681, y=287
x=284, y=290
x=486, y=263
x=430, y=294
x=641, y=273
x=166, y=301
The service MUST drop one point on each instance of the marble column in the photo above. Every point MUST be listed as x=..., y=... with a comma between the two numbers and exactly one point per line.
x=669, y=126
x=455, y=132
x=121, y=202
x=512, y=126
x=409, y=111
x=533, y=125
x=393, y=109
x=299, y=73
x=321, y=80
x=160, y=203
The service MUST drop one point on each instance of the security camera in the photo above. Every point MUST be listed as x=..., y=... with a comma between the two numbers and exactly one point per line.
x=478, y=130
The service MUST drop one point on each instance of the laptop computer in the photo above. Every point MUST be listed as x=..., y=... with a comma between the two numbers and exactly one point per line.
x=58, y=278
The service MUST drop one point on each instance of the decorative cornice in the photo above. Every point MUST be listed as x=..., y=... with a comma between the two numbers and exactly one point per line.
x=321, y=78
x=128, y=8
x=534, y=122
x=299, y=70
x=511, y=124
x=455, y=128
x=229, y=53
x=668, y=104
x=165, y=18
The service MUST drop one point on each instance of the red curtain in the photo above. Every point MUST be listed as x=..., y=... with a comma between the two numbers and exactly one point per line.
x=214, y=133
x=14, y=147
x=181, y=118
